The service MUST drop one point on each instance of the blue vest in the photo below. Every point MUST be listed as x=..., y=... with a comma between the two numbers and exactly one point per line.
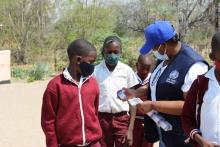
x=170, y=82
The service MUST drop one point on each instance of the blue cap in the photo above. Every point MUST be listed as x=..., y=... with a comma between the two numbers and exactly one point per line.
x=156, y=34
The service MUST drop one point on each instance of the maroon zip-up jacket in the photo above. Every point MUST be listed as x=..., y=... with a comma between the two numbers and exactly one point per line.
x=70, y=112
x=192, y=108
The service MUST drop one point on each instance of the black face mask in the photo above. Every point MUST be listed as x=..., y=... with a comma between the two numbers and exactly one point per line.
x=86, y=69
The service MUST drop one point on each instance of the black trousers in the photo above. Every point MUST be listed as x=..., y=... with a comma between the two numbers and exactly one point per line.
x=174, y=139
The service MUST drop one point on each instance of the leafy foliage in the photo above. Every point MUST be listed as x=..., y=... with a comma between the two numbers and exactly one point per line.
x=31, y=73
x=19, y=72
x=38, y=72
x=40, y=30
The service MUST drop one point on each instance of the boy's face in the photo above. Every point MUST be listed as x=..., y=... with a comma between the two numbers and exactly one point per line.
x=83, y=64
x=217, y=55
x=216, y=58
x=143, y=70
x=90, y=58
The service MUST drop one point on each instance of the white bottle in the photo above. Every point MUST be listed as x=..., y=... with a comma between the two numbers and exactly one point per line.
x=154, y=115
x=160, y=120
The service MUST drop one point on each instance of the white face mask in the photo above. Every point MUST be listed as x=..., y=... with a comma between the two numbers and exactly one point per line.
x=159, y=56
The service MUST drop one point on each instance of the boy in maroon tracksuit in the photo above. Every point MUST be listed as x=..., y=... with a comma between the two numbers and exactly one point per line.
x=200, y=114
x=143, y=67
x=70, y=102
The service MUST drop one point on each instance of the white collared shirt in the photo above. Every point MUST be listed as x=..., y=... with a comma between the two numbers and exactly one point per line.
x=154, y=78
x=142, y=82
x=67, y=75
x=196, y=69
x=210, y=110
x=110, y=83
x=145, y=81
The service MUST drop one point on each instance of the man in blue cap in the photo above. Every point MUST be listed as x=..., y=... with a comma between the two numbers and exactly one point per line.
x=178, y=66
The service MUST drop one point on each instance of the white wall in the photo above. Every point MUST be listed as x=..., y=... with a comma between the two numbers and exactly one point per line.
x=5, y=70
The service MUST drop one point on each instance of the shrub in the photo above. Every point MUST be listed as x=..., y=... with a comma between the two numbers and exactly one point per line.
x=19, y=72
x=39, y=72
x=60, y=66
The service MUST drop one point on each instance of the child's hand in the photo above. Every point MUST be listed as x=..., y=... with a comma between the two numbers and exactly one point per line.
x=129, y=137
x=130, y=93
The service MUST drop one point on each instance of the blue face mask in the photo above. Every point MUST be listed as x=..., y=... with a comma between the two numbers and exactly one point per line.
x=159, y=56
x=112, y=59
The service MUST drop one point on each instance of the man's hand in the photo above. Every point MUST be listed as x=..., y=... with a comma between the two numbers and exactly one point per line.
x=145, y=107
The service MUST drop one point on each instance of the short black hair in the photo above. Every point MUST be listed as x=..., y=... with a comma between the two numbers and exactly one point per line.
x=143, y=59
x=174, y=39
x=215, y=44
x=80, y=47
x=108, y=40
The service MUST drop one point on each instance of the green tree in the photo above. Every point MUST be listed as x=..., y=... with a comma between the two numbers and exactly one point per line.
x=91, y=21
x=24, y=21
x=136, y=15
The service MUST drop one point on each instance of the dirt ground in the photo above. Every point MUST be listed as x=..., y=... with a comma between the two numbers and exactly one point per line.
x=20, y=108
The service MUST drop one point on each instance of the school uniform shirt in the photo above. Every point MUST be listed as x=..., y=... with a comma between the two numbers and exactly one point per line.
x=145, y=81
x=110, y=82
x=70, y=111
x=140, y=115
x=201, y=109
x=196, y=69
x=210, y=110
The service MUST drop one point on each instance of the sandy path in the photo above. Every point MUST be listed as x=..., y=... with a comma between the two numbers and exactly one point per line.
x=20, y=108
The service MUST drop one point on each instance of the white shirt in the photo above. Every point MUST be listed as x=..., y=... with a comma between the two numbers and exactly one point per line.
x=154, y=78
x=210, y=110
x=145, y=81
x=110, y=83
x=196, y=69
x=142, y=82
